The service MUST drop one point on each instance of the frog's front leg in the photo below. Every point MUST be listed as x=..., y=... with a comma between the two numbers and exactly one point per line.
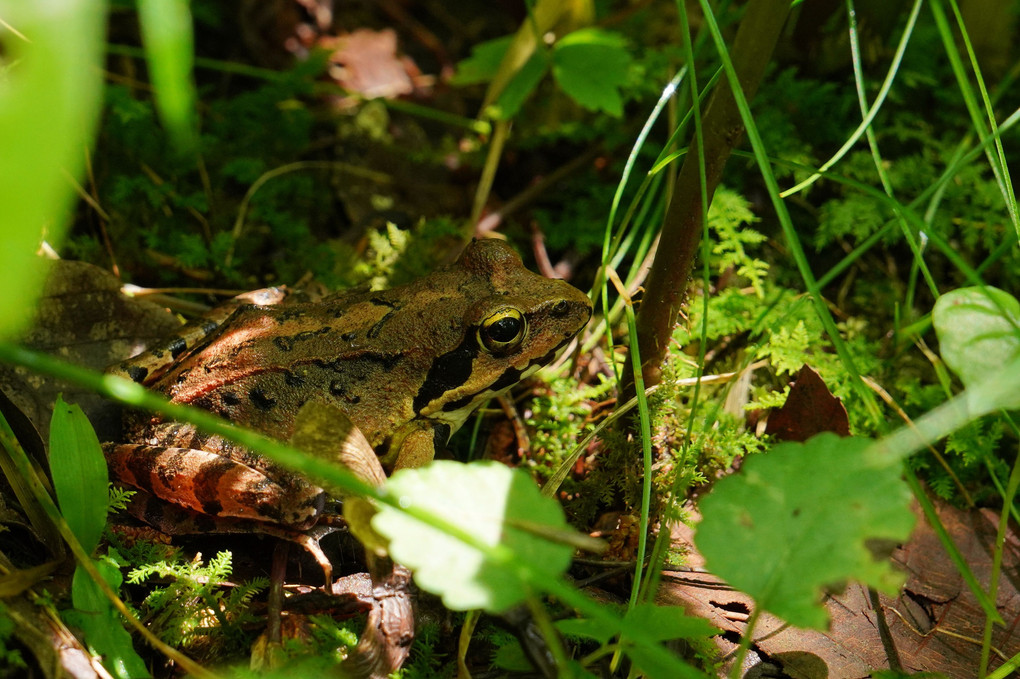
x=215, y=485
x=417, y=444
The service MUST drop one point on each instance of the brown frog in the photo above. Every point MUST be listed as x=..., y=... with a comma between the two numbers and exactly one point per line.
x=407, y=366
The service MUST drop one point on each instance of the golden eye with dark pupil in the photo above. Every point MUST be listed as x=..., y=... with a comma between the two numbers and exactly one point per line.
x=503, y=330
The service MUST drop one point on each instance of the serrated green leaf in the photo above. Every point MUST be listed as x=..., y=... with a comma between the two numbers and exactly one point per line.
x=100, y=623
x=169, y=44
x=80, y=477
x=662, y=623
x=800, y=519
x=591, y=65
x=522, y=85
x=483, y=63
x=646, y=621
x=482, y=499
x=979, y=333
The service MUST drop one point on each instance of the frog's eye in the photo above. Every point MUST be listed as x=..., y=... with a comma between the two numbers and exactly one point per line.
x=502, y=330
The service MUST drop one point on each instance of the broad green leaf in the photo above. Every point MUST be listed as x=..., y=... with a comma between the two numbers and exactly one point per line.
x=482, y=499
x=522, y=85
x=662, y=623
x=591, y=65
x=979, y=333
x=50, y=84
x=800, y=519
x=483, y=63
x=80, y=478
x=545, y=17
x=648, y=621
x=100, y=622
x=170, y=52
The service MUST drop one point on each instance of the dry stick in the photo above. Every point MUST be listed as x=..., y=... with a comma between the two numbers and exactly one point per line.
x=666, y=287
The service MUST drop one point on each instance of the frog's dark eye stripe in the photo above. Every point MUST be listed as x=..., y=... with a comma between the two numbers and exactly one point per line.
x=448, y=372
x=503, y=331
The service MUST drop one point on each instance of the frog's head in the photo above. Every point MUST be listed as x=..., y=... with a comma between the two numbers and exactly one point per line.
x=513, y=323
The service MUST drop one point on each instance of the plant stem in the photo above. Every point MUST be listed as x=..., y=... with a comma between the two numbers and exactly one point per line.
x=681, y=231
x=993, y=578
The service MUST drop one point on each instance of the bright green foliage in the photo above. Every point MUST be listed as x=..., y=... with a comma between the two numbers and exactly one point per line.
x=101, y=623
x=492, y=503
x=78, y=468
x=194, y=606
x=660, y=623
x=730, y=217
x=591, y=66
x=81, y=484
x=647, y=621
x=170, y=50
x=49, y=100
x=507, y=653
x=978, y=333
x=806, y=512
x=970, y=450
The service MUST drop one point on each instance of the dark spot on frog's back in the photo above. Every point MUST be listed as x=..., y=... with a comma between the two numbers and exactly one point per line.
x=338, y=389
x=230, y=399
x=288, y=315
x=283, y=343
x=137, y=373
x=260, y=399
x=177, y=347
x=292, y=379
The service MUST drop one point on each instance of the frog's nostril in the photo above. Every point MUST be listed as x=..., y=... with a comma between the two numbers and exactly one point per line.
x=560, y=308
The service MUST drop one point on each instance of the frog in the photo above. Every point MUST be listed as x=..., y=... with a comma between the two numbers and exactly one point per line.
x=407, y=365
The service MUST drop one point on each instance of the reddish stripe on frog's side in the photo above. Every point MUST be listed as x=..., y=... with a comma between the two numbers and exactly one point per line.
x=211, y=484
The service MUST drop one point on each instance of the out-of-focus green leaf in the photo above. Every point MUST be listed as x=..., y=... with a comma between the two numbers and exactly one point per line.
x=522, y=85
x=591, y=65
x=78, y=468
x=169, y=44
x=483, y=499
x=546, y=18
x=50, y=82
x=483, y=63
x=979, y=333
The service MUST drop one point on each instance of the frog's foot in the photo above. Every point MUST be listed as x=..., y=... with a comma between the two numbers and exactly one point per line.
x=214, y=485
x=389, y=630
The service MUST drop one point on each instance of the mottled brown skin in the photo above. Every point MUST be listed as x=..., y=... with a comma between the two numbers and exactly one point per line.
x=407, y=365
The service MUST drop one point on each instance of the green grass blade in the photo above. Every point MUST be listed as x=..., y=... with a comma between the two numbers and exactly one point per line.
x=170, y=50
x=793, y=241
